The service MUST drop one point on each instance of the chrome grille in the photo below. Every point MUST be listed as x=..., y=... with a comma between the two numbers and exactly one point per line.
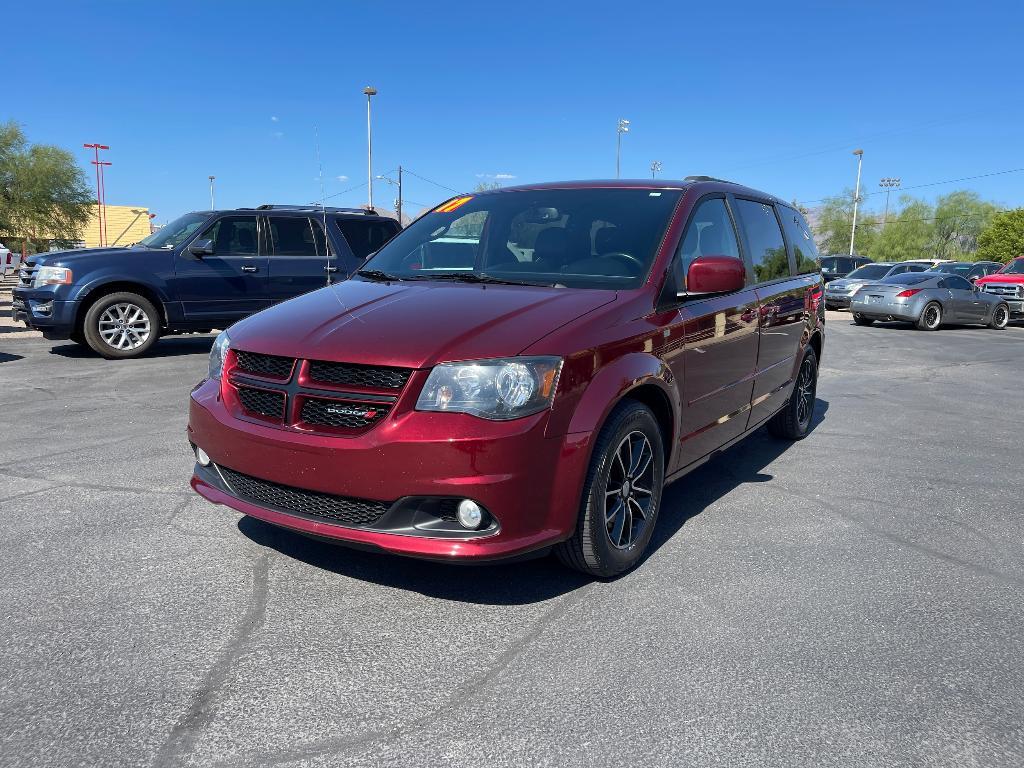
x=1010, y=290
x=27, y=274
x=343, y=509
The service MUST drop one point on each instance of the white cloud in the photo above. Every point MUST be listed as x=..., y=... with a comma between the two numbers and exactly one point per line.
x=278, y=134
x=499, y=176
x=504, y=176
x=341, y=178
x=274, y=118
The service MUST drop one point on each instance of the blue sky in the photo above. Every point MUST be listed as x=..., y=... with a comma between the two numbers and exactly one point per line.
x=775, y=95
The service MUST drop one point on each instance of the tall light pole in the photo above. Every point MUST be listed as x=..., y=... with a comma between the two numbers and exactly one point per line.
x=655, y=167
x=887, y=184
x=213, y=206
x=623, y=128
x=398, y=202
x=101, y=192
x=370, y=91
x=856, y=197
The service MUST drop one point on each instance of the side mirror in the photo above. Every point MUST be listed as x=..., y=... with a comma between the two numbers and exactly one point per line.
x=714, y=274
x=201, y=248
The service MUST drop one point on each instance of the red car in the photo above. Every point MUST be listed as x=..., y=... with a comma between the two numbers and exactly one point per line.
x=1008, y=283
x=519, y=370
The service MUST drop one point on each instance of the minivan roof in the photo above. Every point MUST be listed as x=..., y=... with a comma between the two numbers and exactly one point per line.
x=653, y=184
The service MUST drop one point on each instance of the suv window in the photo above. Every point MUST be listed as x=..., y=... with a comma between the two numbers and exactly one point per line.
x=365, y=237
x=800, y=239
x=709, y=233
x=233, y=236
x=767, y=248
x=291, y=236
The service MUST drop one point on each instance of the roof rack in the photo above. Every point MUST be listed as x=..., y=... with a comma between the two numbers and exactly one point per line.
x=315, y=207
x=707, y=178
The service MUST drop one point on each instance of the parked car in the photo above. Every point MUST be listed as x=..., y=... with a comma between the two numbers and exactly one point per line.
x=9, y=261
x=1008, y=284
x=928, y=300
x=967, y=269
x=839, y=292
x=520, y=370
x=200, y=272
x=835, y=267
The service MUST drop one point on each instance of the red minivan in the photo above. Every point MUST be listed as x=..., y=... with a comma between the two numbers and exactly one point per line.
x=519, y=370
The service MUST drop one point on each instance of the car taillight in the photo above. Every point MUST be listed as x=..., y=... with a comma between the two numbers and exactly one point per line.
x=907, y=293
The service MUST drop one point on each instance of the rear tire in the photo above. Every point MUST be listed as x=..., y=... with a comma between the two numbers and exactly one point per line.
x=121, y=325
x=621, y=495
x=859, y=319
x=931, y=317
x=1000, y=318
x=793, y=422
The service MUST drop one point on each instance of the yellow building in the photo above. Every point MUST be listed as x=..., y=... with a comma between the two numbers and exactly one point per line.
x=126, y=224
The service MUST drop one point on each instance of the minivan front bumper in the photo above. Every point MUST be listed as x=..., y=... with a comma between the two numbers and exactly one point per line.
x=528, y=483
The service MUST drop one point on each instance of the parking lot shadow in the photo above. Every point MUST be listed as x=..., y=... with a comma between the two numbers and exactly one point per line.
x=6, y=358
x=533, y=580
x=173, y=346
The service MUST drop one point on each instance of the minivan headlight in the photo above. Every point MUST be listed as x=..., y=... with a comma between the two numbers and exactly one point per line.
x=218, y=352
x=502, y=389
x=52, y=276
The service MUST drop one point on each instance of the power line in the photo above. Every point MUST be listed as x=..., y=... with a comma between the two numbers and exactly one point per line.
x=430, y=181
x=931, y=184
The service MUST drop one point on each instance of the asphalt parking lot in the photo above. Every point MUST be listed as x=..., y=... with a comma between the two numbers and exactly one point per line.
x=855, y=599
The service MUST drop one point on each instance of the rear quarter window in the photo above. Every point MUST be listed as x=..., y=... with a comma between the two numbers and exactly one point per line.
x=802, y=242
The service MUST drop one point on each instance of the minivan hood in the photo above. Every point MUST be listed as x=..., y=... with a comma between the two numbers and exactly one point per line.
x=413, y=324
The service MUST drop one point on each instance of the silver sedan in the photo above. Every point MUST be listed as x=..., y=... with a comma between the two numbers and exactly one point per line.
x=928, y=300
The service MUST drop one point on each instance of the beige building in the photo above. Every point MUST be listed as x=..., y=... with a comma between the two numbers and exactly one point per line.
x=126, y=224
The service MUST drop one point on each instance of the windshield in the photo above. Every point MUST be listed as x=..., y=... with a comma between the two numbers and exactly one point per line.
x=870, y=272
x=907, y=278
x=579, y=238
x=954, y=269
x=1015, y=267
x=174, y=234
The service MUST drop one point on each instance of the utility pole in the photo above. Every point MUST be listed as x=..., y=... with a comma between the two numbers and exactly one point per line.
x=887, y=183
x=370, y=91
x=101, y=197
x=213, y=206
x=398, y=202
x=655, y=167
x=856, y=196
x=622, y=128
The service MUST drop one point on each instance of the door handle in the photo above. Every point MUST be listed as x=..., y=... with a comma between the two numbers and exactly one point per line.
x=250, y=269
x=332, y=270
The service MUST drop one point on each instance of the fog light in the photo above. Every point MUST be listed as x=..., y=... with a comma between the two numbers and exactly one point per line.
x=201, y=457
x=470, y=514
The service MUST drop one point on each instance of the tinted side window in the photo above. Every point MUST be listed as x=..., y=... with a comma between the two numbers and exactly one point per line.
x=802, y=242
x=365, y=237
x=709, y=233
x=958, y=283
x=292, y=236
x=233, y=236
x=767, y=248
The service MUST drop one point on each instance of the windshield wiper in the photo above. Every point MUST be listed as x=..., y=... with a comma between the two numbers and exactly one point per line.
x=376, y=274
x=472, y=277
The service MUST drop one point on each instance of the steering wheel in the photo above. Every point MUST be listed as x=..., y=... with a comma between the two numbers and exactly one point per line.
x=631, y=260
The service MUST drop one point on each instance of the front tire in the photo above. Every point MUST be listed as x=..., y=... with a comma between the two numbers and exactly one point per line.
x=121, y=325
x=621, y=496
x=859, y=319
x=793, y=422
x=1000, y=317
x=931, y=317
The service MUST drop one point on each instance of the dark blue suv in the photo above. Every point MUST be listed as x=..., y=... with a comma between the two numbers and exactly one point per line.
x=202, y=271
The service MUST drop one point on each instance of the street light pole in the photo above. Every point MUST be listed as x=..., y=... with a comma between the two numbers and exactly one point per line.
x=213, y=206
x=622, y=128
x=101, y=197
x=398, y=202
x=856, y=197
x=655, y=167
x=887, y=183
x=370, y=91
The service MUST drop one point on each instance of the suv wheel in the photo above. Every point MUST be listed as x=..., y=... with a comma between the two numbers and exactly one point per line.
x=1000, y=317
x=793, y=422
x=121, y=325
x=931, y=317
x=621, y=496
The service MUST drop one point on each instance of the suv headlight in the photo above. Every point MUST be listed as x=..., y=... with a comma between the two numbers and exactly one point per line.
x=501, y=389
x=52, y=276
x=218, y=352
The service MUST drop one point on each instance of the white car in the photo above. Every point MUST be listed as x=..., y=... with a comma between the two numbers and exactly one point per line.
x=9, y=261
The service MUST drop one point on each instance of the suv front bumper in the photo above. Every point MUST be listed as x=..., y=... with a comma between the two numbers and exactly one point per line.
x=40, y=311
x=529, y=484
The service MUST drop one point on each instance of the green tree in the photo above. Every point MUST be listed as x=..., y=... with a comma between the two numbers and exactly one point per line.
x=910, y=234
x=1003, y=238
x=959, y=218
x=43, y=194
x=834, y=221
